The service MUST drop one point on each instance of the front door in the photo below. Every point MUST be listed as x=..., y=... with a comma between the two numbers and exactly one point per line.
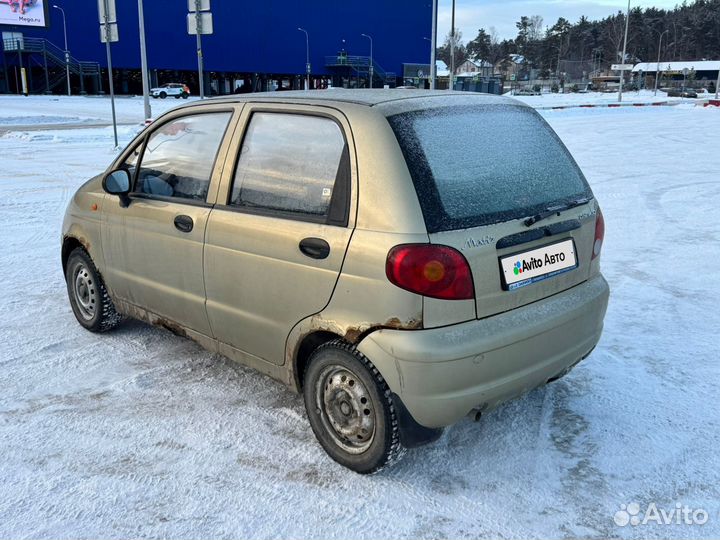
x=154, y=247
x=274, y=251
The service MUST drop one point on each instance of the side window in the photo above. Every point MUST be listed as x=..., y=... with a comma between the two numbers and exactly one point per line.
x=180, y=155
x=289, y=163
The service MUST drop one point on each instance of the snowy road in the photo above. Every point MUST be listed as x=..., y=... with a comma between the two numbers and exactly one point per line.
x=140, y=433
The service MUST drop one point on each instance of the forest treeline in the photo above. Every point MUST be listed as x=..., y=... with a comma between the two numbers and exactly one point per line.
x=690, y=31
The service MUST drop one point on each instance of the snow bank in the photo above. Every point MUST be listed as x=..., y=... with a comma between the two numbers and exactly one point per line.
x=598, y=98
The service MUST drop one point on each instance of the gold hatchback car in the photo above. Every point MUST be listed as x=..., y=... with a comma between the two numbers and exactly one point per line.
x=403, y=258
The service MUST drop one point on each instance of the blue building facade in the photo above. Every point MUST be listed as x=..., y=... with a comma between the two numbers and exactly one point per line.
x=257, y=41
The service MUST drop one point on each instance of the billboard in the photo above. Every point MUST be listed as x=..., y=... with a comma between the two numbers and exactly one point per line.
x=24, y=12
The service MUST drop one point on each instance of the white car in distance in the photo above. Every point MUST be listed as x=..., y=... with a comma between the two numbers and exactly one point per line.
x=175, y=90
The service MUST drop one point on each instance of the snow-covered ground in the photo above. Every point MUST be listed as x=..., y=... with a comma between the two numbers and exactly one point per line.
x=599, y=98
x=32, y=111
x=139, y=433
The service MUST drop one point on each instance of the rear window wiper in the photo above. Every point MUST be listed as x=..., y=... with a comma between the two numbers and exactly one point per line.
x=552, y=210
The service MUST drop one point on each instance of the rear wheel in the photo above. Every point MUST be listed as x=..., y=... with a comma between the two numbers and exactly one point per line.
x=185, y=95
x=350, y=408
x=89, y=298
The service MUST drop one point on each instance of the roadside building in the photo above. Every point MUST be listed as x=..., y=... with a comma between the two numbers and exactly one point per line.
x=473, y=68
x=254, y=44
x=695, y=74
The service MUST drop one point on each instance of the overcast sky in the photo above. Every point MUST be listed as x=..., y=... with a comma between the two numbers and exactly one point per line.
x=470, y=15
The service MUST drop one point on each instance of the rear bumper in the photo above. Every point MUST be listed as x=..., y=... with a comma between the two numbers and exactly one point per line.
x=442, y=374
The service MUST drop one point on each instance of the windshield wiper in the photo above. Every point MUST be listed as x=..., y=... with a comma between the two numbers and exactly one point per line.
x=552, y=210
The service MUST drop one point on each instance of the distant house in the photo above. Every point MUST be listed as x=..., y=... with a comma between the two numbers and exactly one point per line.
x=472, y=68
x=514, y=68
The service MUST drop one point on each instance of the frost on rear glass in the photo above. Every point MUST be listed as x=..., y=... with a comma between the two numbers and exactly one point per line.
x=483, y=164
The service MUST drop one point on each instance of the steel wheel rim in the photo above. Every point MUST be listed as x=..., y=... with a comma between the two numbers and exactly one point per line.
x=85, y=292
x=346, y=409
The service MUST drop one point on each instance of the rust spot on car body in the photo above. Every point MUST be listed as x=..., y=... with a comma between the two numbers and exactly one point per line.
x=397, y=324
x=173, y=327
x=135, y=312
x=84, y=242
x=353, y=334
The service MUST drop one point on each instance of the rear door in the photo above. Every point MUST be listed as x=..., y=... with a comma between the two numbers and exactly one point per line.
x=480, y=172
x=275, y=243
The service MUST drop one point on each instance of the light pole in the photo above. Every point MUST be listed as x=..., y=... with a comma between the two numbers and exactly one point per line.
x=143, y=62
x=657, y=71
x=67, y=52
x=371, y=58
x=622, y=60
x=430, y=75
x=433, y=41
x=198, y=45
x=107, y=29
x=307, y=58
x=452, y=48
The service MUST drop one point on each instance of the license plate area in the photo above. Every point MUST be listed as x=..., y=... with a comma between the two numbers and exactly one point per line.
x=527, y=267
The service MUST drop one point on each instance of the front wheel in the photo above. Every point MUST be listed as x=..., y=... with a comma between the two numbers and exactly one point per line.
x=350, y=408
x=163, y=95
x=89, y=299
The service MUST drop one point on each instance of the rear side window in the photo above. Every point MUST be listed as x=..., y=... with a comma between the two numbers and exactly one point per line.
x=478, y=165
x=290, y=164
x=179, y=156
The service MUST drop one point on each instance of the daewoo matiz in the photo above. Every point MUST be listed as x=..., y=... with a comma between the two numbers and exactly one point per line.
x=402, y=258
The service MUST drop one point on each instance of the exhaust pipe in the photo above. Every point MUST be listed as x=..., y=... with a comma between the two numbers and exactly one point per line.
x=476, y=412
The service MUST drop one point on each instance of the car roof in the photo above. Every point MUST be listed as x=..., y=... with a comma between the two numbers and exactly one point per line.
x=389, y=98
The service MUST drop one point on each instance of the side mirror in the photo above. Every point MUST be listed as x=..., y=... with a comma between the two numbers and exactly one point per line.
x=118, y=183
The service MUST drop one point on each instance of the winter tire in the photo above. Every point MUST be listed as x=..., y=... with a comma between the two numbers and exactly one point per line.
x=89, y=298
x=350, y=408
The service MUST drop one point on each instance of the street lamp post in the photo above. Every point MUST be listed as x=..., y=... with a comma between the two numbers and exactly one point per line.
x=371, y=58
x=67, y=52
x=307, y=58
x=143, y=62
x=657, y=70
x=452, y=48
x=622, y=60
x=198, y=46
x=433, y=41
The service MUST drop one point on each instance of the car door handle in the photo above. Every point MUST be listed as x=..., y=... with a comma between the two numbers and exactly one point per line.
x=315, y=248
x=184, y=223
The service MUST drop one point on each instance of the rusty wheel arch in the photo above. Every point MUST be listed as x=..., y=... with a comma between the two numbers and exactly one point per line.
x=306, y=347
x=69, y=244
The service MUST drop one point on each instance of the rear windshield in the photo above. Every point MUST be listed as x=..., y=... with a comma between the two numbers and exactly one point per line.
x=477, y=165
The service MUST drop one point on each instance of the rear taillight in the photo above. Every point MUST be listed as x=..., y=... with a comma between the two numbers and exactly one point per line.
x=599, y=234
x=434, y=271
